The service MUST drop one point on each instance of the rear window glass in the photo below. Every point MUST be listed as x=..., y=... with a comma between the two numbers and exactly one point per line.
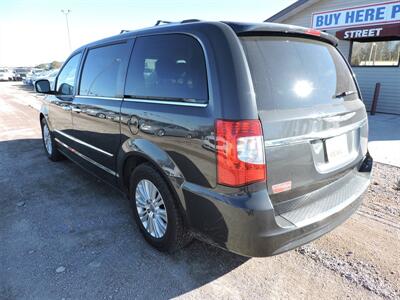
x=167, y=67
x=293, y=73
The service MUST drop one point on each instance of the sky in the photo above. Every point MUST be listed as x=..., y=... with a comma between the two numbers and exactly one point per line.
x=34, y=32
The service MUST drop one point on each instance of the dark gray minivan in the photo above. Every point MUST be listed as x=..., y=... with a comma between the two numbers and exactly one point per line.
x=252, y=137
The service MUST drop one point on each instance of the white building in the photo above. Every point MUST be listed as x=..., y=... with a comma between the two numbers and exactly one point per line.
x=369, y=34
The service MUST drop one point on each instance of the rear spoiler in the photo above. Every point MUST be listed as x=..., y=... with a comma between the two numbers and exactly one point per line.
x=246, y=29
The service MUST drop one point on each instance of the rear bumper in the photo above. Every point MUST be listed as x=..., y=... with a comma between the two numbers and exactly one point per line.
x=247, y=224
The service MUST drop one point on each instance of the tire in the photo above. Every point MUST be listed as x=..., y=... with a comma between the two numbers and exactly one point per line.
x=175, y=235
x=51, y=148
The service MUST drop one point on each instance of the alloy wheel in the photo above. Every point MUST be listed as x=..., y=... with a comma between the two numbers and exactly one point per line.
x=47, y=139
x=151, y=208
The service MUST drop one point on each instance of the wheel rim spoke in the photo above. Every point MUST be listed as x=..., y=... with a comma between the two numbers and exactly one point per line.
x=148, y=225
x=151, y=227
x=140, y=201
x=161, y=224
x=142, y=192
x=47, y=139
x=151, y=208
x=163, y=215
x=142, y=213
x=157, y=232
x=158, y=201
x=154, y=192
x=147, y=189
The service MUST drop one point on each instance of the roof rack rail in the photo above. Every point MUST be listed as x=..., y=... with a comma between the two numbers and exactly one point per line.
x=159, y=22
x=123, y=31
x=190, y=21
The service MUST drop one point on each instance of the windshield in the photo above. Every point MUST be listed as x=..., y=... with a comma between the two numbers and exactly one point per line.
x=290, y=72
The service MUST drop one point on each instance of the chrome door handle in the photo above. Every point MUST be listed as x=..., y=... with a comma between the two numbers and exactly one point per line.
x=67, y=108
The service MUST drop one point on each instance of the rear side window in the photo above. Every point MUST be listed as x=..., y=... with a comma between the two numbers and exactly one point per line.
x=103, y=71
x=167, y=67
x=291, y=73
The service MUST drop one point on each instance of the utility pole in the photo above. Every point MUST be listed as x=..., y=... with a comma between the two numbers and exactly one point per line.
x=66, y=12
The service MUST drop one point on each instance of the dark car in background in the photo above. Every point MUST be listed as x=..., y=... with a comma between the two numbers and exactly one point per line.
x=278, y=155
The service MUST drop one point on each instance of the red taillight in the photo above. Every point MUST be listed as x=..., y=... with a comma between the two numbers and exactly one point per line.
x=240, y=152
x=311, y=31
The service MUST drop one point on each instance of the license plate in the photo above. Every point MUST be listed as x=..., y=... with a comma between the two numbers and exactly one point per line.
x=337, y=148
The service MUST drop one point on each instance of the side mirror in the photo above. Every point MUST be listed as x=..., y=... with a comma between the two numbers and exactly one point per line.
x=43, y=86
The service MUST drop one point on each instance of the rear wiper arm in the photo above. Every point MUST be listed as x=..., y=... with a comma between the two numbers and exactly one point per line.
x=344, y=94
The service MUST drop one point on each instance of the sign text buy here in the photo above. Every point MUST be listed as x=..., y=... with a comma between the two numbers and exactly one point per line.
x=380, y=13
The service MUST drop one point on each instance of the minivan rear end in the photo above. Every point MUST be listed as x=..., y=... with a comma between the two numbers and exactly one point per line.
x=314, y=135
x=314, y=124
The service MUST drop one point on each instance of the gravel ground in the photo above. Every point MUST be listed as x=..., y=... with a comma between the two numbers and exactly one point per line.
x=66, y=235
x=358, y=272
x=384, y=193
x=380, y=210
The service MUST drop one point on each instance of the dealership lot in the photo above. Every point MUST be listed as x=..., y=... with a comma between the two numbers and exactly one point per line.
x=65, y=234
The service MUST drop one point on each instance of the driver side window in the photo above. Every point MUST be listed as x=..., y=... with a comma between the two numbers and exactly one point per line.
x=66, y=78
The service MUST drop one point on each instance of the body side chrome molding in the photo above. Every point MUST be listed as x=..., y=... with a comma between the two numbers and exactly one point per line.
x=98, y=97
x=84, y=143
x=146, y=101
x=166, y=102
x=87, y=158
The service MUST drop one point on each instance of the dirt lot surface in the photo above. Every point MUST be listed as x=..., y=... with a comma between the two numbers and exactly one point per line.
x=66, y=235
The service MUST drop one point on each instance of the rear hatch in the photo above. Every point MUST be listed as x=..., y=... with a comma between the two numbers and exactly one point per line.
x=314, y=123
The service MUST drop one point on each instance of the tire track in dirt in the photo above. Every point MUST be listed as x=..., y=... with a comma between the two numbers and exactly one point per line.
x=369, y=269
x=358, y=272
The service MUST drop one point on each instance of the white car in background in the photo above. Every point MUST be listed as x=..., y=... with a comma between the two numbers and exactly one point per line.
x=6, y=74
x=50, y=75
x=32, y=75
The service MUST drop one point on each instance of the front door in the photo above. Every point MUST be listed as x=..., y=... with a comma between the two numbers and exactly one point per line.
x=96, y=108
x=60, y=117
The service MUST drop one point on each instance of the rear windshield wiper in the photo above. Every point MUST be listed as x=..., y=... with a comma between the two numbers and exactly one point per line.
x=344, y=94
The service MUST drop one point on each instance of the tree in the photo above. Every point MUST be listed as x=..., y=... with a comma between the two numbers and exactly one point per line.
x=49, y=66
x=55, y=64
